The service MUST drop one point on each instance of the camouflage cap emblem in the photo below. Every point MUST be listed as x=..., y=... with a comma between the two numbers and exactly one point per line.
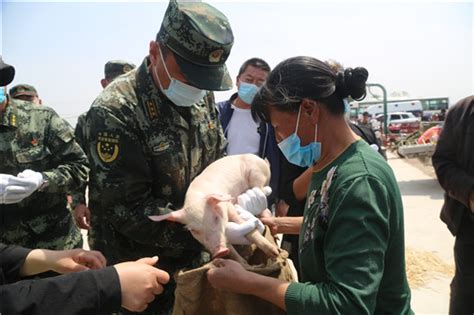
x=216, y=55
x=201, y=39
x=126, y=68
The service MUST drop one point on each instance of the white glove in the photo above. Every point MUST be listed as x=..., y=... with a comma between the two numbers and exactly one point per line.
x=22, y=186
x=235, y=233
x=375, y=147
x=5, y=181
x=254, y=200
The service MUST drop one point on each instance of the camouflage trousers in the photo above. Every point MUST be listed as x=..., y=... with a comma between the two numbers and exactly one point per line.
x=53, y=228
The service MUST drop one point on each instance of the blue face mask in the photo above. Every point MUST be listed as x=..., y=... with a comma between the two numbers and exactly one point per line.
x=298, y=155
x=247, y=92
x=3, y=96
x=181, y=94
x=347, y=106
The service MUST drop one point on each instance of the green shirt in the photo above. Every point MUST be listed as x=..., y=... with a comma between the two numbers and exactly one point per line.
x=352, y=251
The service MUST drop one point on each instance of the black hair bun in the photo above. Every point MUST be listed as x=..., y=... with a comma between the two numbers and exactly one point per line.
x=351, y=83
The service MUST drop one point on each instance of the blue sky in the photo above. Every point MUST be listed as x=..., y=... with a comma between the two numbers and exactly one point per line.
x=424, y=48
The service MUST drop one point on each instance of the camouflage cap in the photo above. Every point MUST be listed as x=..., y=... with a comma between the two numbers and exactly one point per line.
x=201, y=38
x=7, y=73
x=114, y=68
x=23, y=89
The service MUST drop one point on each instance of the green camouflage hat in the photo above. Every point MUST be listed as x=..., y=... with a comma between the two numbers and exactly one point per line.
x=114, y=68
x=23, y=89
x=201, y=38
x=7, y=73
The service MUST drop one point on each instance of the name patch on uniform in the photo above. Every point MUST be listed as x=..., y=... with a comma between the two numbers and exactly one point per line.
x=107, y=146
x=151, y=109
x=161, y=147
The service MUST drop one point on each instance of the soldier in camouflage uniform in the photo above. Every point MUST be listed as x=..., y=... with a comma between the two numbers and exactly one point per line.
x=25, y=92
x=151, y=131
x=39, y=163
x=112, y=70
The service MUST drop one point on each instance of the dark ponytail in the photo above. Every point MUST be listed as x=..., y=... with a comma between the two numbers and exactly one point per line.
x=297, y=78
x=351, y=83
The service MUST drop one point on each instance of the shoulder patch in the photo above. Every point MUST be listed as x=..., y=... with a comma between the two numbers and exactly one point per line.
x=107, y=146
x=152, y=110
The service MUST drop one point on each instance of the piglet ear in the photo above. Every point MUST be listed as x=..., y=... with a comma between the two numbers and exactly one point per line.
x=214, y=199
x=175, y=216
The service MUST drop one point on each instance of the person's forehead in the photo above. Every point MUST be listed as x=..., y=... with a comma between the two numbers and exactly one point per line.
x=254, y=71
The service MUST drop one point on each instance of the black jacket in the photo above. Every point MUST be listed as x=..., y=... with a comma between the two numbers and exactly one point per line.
x=453, y=161
x=87, y=292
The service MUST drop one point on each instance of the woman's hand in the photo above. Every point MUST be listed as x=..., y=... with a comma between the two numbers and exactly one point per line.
x=61, y=261
x=74, y=260
x=229, y=275
x=272, y=223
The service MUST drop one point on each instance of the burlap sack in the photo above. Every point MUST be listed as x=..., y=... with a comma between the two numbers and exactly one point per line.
x=195, y=296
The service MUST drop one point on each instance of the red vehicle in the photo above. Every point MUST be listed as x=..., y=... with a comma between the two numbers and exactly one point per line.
x=400, y=124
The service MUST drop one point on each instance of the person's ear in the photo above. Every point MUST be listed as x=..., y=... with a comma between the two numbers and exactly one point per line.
x=153, y=52
x=312, y=109
x=104, y=83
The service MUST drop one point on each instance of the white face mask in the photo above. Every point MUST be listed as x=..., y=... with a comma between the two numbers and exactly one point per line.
x=181, y=94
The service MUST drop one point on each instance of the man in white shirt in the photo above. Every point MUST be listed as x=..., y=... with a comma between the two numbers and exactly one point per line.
x=243, y=134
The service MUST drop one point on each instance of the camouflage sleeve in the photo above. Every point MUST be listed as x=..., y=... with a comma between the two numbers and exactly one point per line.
x=221, y=140
x=79, y=131
x=122, y=181
x=79, y=197
x=71, y=166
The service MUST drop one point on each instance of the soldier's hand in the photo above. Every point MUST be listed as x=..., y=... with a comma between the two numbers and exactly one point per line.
x=254, y=200
x=5, y=181
x=22, y=186
x=140, y=282
x=82, y=215
x=235, y=232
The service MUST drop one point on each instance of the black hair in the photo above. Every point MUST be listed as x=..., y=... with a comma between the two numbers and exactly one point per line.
x=254, y=62
x=301, y=77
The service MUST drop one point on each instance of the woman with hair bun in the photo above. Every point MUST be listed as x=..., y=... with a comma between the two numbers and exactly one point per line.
x=352, y=251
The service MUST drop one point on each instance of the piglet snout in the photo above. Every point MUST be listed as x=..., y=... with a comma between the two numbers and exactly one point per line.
x=221, y=252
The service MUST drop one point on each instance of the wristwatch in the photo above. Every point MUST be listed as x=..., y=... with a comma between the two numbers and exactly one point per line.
x=44, y=184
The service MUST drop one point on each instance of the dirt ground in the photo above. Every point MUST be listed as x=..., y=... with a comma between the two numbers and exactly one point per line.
x=428, y=242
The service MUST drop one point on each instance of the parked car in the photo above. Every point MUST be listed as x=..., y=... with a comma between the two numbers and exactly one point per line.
x=399, y=124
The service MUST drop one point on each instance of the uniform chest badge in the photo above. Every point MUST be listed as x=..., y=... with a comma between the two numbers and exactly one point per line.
x=161, y=147
x=108, y=146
